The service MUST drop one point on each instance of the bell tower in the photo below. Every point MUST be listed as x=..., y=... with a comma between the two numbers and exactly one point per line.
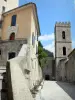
x=63, y=43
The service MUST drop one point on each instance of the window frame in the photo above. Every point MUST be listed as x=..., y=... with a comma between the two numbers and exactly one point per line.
x=13, y=20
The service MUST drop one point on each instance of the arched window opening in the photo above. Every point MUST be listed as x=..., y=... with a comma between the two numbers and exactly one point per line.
x=63, y=34
x=64, y=50
x=12, y=36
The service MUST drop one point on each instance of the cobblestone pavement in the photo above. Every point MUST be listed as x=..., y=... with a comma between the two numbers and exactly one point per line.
x=53, y=90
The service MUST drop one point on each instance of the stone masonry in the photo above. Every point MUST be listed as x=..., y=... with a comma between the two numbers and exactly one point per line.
x=61, y=42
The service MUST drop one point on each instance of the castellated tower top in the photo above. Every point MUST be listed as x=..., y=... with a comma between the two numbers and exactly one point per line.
x=63, y=24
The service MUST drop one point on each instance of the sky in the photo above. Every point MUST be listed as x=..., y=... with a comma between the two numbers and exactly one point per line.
x=50, y=12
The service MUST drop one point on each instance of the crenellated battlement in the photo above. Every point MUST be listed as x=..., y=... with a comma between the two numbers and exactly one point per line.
x=63, y=24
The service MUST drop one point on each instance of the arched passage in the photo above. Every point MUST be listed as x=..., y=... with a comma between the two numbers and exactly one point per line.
x=12, y=36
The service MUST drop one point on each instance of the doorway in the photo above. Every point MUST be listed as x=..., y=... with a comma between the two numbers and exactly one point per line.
x=47, y=77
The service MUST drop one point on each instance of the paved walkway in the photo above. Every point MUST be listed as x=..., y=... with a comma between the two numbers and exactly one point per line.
x=53, y=90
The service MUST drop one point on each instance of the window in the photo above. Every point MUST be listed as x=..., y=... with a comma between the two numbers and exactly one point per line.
x=3, y=9
x=63, y=34
x=47, y=77
x=5, y=0
x=11, y=55
x=64, y=50
x=0, y=23
x=12, y=36
x=33, y=39
x=36, y=49
x=0, y=52
x=13, y=20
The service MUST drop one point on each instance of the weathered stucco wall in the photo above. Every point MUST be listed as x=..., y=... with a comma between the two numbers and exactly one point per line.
x=20, y=89
x=23, y=21
x=24, y=77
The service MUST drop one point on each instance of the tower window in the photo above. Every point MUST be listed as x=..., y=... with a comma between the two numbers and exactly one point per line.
x=12, y=36
x=13, y=20
x=63, y=34
x=64, y=50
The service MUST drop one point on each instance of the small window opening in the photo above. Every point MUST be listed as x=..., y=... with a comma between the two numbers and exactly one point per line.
x=3, y=9
x=63, y=34
x=11, y=55
x=0, y=52
x=64, y=50
x=47, y=77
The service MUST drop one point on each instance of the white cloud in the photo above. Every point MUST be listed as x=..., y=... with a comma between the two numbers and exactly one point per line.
x=46, y=37
x=50, y=47
x=50, y=38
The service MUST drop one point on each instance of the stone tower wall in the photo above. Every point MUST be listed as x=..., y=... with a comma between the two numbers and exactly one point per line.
x=60, y=42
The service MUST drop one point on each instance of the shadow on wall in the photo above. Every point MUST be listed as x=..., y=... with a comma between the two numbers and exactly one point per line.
x=69, y=88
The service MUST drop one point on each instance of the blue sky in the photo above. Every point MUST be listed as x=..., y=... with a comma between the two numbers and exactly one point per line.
x=50, y=11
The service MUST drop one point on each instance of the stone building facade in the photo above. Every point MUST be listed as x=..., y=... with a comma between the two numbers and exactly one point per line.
x=20, y=29
x=66, y=68
x=65, y=57
x=70, y=67
x=63, y=44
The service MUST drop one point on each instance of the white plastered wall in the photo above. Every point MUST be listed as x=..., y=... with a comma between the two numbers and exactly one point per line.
x=2, y=3
x=11, y=4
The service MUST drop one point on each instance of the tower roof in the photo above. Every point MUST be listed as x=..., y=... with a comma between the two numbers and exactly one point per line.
x=63, y=24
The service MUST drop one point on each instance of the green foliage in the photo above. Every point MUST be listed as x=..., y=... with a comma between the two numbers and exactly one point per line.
x=41, y=53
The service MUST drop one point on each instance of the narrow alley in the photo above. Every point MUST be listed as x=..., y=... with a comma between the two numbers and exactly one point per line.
x=53, y=90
